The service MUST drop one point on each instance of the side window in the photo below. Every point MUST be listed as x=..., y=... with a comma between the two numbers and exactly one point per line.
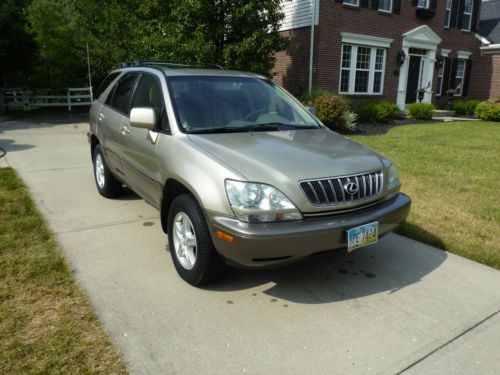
x=104, y=84
x=149, y=94
x=120, y=100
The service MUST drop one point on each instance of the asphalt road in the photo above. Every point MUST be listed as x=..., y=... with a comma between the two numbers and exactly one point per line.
x=396, y=306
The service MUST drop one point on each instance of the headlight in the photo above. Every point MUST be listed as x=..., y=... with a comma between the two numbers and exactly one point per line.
x=393, y=181
x=259, y=203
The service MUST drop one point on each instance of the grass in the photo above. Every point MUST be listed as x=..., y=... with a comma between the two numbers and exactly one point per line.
x=452, y=173
x=46, y=323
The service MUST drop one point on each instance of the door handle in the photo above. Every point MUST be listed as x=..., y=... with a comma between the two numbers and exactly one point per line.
x=125, y=130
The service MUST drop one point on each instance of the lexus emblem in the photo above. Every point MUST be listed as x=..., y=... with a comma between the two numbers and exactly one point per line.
x=351, y=188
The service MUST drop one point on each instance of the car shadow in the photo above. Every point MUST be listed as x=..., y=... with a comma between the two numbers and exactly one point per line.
x=392, y=264
x=127, y=194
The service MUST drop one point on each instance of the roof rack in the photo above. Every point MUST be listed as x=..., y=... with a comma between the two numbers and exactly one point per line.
x=170, y=64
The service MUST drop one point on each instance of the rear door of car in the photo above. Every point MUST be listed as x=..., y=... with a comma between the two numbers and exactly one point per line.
x=110, y=121
x=140, y=159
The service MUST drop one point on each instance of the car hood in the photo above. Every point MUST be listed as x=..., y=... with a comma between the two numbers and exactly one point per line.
x=281, y=157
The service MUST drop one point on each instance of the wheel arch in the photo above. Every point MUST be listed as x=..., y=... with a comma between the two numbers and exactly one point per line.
x=171, y=190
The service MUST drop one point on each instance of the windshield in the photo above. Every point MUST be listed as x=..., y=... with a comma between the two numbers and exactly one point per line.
x=235, y=104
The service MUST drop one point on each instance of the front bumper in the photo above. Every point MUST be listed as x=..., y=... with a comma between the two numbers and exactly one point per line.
x=260, y=245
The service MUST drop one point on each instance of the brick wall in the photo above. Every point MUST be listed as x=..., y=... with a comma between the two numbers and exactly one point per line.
x=485, y=76
x=334, y=18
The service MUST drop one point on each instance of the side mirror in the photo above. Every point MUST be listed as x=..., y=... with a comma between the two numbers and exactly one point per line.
x=144, y=118
x=312, y=110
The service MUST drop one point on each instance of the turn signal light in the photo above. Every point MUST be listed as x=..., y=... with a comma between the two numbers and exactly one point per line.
x=224, y=236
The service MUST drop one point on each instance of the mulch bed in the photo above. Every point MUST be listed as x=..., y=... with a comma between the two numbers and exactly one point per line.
x=382, y=128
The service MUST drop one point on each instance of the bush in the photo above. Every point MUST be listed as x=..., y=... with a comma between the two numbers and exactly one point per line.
x=421, y=111
x=329, y=110
x=462, y=107
x=381, y=111
x=459, y=107
x=470, y=106
x=308, y=99
x=488, y=110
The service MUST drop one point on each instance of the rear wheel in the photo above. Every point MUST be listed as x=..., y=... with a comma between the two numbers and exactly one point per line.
x=191, y=247
x=107, y=184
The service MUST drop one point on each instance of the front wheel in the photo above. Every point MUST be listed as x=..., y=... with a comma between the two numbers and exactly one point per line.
x=191, y=247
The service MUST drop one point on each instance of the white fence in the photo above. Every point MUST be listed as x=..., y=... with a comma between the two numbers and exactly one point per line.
x=16, y=98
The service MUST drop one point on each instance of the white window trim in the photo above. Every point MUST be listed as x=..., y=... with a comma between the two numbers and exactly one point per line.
x=385, y=10
x=371, y=72
x=445, y=52
x=448, y=20
x=462, y=77
x=470, y=15
x=424, y=7
x=366, y=40
x=464, y=55
x=350, y=4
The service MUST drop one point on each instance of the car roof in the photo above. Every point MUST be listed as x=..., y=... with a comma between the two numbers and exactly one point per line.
x=170, y=71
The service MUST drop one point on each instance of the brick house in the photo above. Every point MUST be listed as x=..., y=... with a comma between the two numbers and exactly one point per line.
x=379, y=48
x=485, y=82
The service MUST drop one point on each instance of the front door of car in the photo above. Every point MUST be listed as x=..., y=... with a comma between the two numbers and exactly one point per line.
x=140, y=159
x=110, y=119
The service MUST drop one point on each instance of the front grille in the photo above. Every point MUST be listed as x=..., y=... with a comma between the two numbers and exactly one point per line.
x=332, y=191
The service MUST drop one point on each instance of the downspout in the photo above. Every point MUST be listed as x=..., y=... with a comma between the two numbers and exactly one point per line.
x=311, y=51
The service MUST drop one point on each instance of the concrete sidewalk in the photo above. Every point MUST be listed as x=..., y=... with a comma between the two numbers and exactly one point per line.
x=398, y=305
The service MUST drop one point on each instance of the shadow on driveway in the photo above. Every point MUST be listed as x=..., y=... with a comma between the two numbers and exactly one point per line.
x=392, y=264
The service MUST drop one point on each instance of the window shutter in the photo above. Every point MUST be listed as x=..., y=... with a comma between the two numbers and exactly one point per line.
x=454, y=13
x=375, y=4
x=364, y=3
x=475, y=14
x=468, y=65
x=460, y=14
x=453, y=73
x=433, y=4
x=414, y=2
x=396, y=6
x=446, y=75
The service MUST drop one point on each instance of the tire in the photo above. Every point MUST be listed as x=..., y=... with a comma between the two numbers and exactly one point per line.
x=192, y=250
x=107, y=184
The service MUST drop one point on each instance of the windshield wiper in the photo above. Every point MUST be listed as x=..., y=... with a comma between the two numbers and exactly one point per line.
x=235, y=129
x=283, y=126
x=271, y=126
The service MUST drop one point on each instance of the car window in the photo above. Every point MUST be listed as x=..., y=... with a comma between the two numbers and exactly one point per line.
x=120, y=100
x=149, y=94
x=104, y=84
x=215, y=103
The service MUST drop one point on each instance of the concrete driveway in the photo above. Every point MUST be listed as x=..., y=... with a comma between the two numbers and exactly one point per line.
x=398, y=306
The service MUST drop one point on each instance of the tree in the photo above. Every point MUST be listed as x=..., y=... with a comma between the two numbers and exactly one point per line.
x=61, y=37
x=17, y=48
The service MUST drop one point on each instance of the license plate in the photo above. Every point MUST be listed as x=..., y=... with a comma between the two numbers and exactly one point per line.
x=362, y=236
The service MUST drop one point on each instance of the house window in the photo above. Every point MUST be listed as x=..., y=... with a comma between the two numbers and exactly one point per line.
x=467, y=15
x=423, y=4
x=362, y=69
x=439, y=90
x=385, y=5
x=458, y=85
x=351, y=2
x=447, y=15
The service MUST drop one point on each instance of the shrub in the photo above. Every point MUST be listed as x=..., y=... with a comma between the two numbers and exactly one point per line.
x=459, y=107
x=308, y=99
x=421, y=111
x=470, y=106
x=330, y=110
x=377, y=111
x=488, y=110
x=348, y=120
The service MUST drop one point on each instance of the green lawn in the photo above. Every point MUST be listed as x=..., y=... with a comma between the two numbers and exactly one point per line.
x=46, y=323
x=452, y=173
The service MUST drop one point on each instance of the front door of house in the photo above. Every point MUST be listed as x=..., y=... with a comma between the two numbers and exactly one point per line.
x=414, y=70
